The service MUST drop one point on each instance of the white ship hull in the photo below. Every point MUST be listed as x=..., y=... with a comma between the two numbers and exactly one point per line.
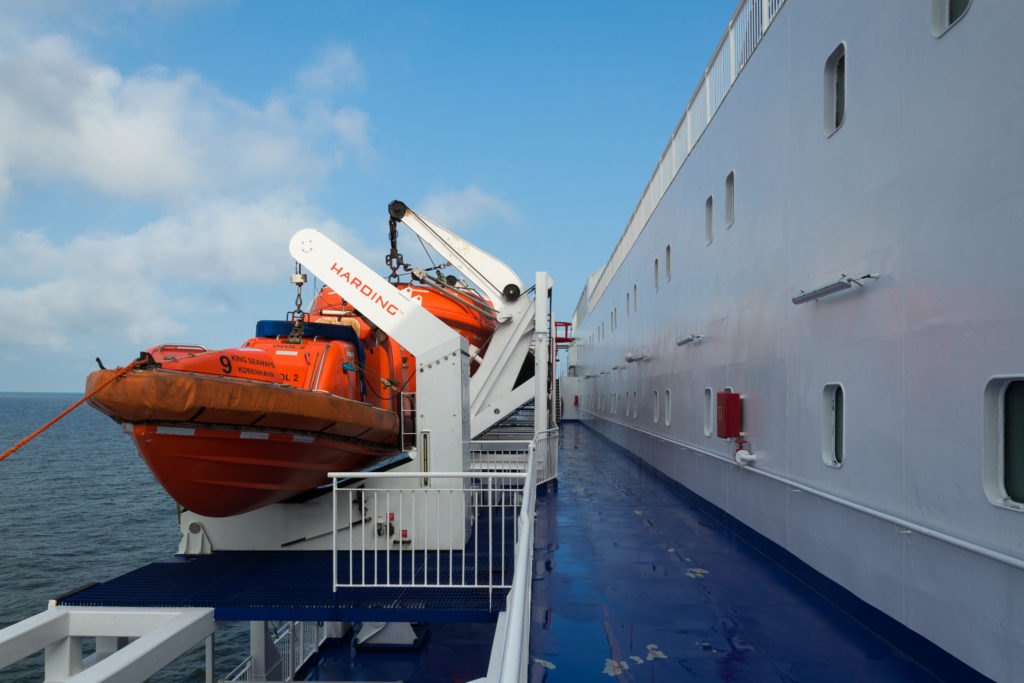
x=922, y=184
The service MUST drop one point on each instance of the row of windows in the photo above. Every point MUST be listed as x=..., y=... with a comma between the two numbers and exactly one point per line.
x=832, y=435
x=1004, y=430
x=730, y=218
x=945, y=13
x=610, y=402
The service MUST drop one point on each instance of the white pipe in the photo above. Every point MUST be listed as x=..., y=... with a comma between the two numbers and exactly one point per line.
x=1015, y=562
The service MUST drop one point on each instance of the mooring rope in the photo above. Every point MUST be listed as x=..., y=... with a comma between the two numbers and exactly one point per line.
x=121, y=372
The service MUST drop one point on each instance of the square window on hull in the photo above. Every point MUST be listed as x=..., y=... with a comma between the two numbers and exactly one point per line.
x=1013, y=441
x=945, y=13
x=835, y=90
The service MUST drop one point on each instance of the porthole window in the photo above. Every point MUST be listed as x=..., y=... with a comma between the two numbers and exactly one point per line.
x=730, y=199
x=945, y=13
x=1013, y=440
x=1004, y=442
x=709, y=411
x=709, y=219
x=832, y=437
x=835, y=90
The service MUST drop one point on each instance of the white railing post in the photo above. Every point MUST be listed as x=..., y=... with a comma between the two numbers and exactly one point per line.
x=732, y=52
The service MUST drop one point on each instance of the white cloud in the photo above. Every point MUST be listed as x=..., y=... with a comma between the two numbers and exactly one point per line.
x=143, y=286
x=337, y=70
x=157, y=135
x=466, y=209
x=231, y=177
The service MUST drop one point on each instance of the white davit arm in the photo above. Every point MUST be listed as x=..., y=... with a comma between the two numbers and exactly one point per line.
x=496, y=280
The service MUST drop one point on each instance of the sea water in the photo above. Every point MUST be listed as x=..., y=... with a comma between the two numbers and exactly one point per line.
x=78, y=505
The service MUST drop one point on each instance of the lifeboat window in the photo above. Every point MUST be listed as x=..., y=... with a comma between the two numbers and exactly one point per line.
x=655, y=275
x=709, y=411
x=668, y=263
x=668, y=407
x=945, y=13
x=730, y=199
x=832, y=436
x=709, y=218
x=655, y=411
x=835, y=90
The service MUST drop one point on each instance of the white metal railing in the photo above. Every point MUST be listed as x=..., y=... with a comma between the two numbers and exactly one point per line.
x=510, y=649
x=748, y=24
x=443, y=537
x=296, y=642
x=499, y=455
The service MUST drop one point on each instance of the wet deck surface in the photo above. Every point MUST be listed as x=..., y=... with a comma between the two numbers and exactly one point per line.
x=634, y=583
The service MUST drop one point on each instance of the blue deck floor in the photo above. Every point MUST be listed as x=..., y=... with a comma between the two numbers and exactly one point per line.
x=633, y=582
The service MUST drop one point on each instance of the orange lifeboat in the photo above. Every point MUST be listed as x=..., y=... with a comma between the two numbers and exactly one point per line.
x=232, y=430
x=461, y=308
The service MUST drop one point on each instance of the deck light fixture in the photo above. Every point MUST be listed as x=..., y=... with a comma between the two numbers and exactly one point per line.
x=689, y=340
x=842, y=284
x=633, y=357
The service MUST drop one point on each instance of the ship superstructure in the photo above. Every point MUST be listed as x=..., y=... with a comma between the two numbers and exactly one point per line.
x=811, y=320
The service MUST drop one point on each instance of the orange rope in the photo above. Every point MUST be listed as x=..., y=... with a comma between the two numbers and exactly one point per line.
x=117, y=375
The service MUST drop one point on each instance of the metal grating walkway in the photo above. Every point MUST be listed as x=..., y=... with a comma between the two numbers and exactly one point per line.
x=296, y=585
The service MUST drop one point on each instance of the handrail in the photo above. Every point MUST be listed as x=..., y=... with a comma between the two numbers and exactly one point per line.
x=518, y=604
x=425, y=475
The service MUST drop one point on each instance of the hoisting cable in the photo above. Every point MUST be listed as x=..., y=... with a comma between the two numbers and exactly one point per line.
x=481, y=308
x=121, y=372
x=394, y=259
x=298, y=317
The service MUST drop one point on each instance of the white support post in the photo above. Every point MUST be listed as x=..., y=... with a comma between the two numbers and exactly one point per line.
x=211, y=663
x=540, y=352
x=63, y=659
x=258, y=650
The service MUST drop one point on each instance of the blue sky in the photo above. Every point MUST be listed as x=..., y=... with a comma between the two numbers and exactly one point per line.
x=155, y=157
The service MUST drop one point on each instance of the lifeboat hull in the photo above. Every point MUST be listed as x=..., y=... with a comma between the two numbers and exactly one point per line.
x=224, y=472
x=222, y=446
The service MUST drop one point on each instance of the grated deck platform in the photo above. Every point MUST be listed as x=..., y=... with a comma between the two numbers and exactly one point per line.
x=297, y=585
